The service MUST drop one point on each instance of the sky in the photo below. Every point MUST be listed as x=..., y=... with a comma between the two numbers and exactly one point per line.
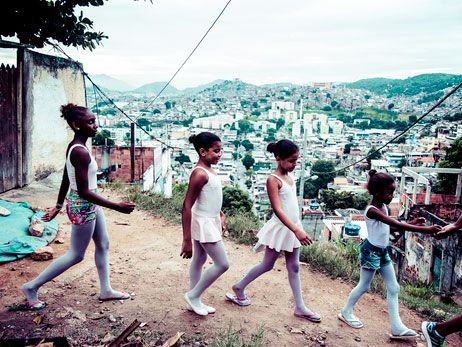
x=268, y=41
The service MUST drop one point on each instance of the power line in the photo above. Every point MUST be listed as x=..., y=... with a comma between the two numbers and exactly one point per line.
x=397, y=136
x=101, y=92
x=190, y=54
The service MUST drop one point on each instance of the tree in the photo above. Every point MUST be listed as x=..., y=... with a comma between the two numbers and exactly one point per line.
x=248, y=161
x=183, y=158
x=235, y=201
x=36, y=22
x=347, y=148
x=333, y=200
x=245, y=126
x=280, y=123
x=372, y=155
x=453, y=159
x=248, y=184
x=143, y=122
x=103, y=138
x=324, y=170
x=310, y=191
x=390, y=106
x=247, y=145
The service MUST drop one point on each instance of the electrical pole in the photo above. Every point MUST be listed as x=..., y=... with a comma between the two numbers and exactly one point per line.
x=132, y=152
x=302, y=171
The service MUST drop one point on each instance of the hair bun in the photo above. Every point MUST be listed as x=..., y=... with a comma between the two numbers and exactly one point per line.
x=192, y=139
x=66, y=109
x=271, y=147
x=372, y=172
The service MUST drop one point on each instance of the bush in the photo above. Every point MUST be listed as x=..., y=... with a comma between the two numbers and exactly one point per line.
x=243, y=228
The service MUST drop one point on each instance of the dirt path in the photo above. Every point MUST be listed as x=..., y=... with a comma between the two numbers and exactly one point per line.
x=145, y=261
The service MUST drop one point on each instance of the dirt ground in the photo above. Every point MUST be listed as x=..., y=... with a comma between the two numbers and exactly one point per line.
x=145, y=261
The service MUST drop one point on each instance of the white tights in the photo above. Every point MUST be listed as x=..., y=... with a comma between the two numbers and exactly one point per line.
x=81, y=235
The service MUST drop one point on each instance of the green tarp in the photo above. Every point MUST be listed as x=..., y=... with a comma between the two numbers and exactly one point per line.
x=15, y=240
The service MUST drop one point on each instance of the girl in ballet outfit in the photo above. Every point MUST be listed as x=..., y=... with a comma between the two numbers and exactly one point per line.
x=282, y=233
x=374, y=255
x=203, y=222
x=79, y=184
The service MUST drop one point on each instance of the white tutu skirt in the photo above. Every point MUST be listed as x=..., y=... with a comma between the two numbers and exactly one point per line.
x=205, y=229
x=277, y=236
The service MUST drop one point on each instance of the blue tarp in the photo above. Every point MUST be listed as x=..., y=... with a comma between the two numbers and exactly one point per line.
x=15, y=240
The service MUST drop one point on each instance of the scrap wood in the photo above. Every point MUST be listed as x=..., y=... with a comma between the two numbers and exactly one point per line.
x=125, y=334
x=173, y=340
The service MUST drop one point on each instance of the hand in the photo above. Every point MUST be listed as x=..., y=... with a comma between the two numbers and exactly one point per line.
x=50, y=214
x=186, y=249
x=223, y=222
x=446, y=231
x=421, y=221
x=304, y=239
x=125, y=207
x=434, y=229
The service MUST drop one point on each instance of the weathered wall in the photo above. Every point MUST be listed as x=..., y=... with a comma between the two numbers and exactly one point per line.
x=48, y=83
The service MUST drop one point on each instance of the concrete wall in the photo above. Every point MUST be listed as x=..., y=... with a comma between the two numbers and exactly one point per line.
x=48, y=83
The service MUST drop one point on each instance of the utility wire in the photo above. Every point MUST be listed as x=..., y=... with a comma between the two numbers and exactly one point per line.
x=190, y=54
x=397, y=136
x=101, y=92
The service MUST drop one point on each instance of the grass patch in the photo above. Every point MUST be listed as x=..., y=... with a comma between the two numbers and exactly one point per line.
x=233, y=338
x=425, y=300
x=243, y=228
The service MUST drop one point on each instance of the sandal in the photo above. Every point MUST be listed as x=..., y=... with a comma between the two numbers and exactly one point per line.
x=312, y=316
x=123, y=296
x=353, y=322
x=235, y=300
x=407, y=334
x=35, y=306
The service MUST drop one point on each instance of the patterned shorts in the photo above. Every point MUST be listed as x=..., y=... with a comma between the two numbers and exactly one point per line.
x=80, y=211
x=373, y=257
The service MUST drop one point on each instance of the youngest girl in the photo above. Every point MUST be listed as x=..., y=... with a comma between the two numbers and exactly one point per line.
x=283, y=232
x=374, y=254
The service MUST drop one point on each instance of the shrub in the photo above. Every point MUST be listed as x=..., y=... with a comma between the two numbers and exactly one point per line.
x=243, y=228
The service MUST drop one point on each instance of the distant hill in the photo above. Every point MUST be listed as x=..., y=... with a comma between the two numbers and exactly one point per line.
x=110, y=83
x=279, y=85
x=426, y=83
x=155, y=87
x=231, y=86
x=199, y=88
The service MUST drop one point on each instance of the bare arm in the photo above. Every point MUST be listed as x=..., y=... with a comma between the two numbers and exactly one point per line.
x=80, y=158
x=197, y=180
x=63, y=189
x=272, y=187
x=375, y=213
x=450, y=228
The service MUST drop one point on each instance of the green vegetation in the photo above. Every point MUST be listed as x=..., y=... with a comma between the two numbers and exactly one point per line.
x=453, y=159
x=103, y=138
x=426, y=83
x=341, y=199
x=233, y=338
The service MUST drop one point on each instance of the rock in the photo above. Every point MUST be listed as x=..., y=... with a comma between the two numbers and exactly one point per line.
x=4, y=211
x=59, y=236
x=296, y=330
x=107, y=338
x=112, y=318
x=79, y=315
x=358, y=339
x=36, y=227
x=43, y=253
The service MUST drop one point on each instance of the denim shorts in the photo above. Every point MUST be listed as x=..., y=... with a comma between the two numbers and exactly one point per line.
x=373, y=257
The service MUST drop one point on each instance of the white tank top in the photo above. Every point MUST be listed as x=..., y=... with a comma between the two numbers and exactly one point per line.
x=210, y=199
x=289, y=201
x=92, y=170
x=378, y=233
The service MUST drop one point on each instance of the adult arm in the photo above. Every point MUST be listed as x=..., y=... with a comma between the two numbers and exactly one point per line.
x=450, y=229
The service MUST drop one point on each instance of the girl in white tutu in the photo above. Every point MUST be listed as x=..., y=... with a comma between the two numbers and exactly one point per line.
x=203, y=222
x=283, y=232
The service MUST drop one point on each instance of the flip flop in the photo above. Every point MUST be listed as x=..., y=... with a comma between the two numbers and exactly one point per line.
x=407, y=334
x=312, y=317
x=35, y=306
x=353, y=322
x=123, y=296
x=235, y=300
